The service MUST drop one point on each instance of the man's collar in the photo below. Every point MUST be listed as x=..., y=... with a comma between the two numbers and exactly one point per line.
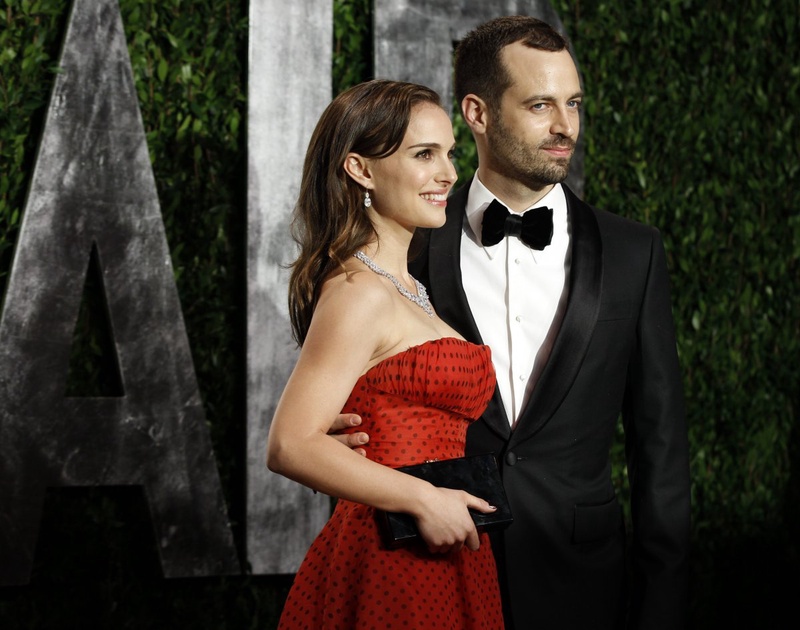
x=480, y=197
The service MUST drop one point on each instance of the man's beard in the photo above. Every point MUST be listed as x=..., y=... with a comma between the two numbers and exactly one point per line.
x=517, y=161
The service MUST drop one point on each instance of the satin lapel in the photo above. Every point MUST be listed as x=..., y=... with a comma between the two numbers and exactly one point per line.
x=447, y=292
x=444, y=270
x=577, y=327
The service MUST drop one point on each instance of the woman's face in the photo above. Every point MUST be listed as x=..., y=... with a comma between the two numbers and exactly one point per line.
x=410, y=187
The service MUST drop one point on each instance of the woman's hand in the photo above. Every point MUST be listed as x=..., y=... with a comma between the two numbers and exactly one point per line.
x=444, y=521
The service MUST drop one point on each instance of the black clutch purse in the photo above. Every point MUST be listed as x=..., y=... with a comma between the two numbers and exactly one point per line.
x=478, y=475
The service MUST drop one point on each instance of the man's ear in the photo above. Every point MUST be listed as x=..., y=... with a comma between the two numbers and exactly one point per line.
x=475, y=113
x=358, y=169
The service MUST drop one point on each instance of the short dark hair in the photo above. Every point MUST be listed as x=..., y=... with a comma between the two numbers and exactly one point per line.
x=478, y=67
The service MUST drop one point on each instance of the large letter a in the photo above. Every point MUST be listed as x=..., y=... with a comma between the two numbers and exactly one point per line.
x=93, y=187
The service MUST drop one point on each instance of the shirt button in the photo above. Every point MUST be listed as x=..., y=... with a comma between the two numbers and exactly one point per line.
x=522, y=377
x=518, y=318
x=516, y=261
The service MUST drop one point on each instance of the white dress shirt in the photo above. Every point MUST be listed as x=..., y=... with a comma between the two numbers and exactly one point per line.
x=517, y=294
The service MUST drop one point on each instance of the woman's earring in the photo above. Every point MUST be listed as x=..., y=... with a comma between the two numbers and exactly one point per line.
x=367, y=200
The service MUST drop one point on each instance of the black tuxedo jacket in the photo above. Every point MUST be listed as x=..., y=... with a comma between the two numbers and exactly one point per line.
x=562, y=562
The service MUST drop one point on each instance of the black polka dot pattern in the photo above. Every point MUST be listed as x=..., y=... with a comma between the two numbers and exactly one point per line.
x=416, y=406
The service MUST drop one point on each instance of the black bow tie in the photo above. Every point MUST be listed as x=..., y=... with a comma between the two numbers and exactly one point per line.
x=534, y=228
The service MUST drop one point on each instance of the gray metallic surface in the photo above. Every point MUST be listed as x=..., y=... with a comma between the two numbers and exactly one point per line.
x=93, y=183
x=289, y=85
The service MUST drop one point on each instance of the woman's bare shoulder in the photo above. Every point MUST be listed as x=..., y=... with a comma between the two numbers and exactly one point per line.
x=356, y=289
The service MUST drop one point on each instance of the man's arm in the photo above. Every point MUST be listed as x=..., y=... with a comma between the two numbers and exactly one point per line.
x=658, y=461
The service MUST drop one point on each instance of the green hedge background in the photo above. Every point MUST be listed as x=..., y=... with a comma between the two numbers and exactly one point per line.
x=691, y=124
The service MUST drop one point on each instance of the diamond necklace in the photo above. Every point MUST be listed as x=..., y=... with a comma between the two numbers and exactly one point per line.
x=421, y=299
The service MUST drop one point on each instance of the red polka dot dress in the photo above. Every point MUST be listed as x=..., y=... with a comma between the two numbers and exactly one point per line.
x=416, y=406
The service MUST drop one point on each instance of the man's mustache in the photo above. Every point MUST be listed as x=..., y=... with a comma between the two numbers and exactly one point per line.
x=561, y=144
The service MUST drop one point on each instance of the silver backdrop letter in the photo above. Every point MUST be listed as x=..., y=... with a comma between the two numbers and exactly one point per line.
x=289, y=86
x=93, y=189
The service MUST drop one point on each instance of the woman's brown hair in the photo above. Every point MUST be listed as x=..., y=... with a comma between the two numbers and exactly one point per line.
x=330, y=222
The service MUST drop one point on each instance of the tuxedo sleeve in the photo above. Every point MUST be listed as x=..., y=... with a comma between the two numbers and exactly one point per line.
x=657, y=454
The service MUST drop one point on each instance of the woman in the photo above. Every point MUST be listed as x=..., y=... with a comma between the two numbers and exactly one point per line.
x=377, y=167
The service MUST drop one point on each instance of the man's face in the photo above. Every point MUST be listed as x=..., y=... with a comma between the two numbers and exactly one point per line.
x=531, y=137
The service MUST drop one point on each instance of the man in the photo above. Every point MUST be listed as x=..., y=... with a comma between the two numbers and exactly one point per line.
x=580, y=328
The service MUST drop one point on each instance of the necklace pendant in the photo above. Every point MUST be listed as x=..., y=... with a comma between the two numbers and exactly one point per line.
x=420, y=299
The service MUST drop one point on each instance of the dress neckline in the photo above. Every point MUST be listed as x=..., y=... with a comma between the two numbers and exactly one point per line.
x=419, y=346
